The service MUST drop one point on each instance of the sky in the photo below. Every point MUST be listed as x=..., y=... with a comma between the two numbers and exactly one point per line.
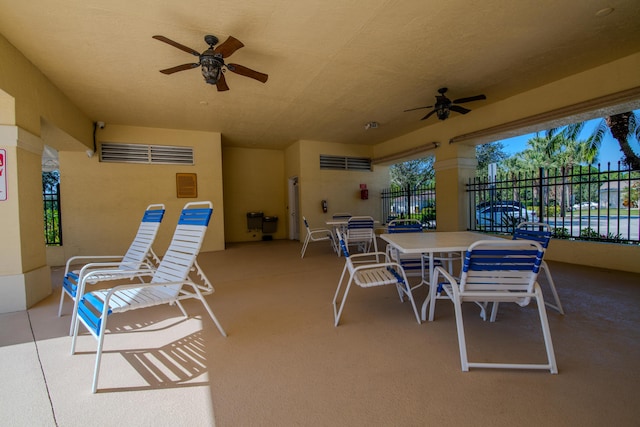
x=609, y=150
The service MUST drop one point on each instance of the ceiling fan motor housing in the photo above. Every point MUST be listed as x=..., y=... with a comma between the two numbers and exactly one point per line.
x=212, y=64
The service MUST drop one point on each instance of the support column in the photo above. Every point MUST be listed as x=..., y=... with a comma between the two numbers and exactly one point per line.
x=25, y=277
x=452, y=200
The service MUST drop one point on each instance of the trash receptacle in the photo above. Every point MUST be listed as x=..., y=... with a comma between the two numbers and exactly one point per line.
x=254, y=220
x=269, y=224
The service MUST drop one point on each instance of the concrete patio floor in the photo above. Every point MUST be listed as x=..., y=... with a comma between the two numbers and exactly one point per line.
x=284, y=363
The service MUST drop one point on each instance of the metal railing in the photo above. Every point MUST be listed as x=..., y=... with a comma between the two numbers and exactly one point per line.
x=584, y=202
x=52, y=215
x=417, y=202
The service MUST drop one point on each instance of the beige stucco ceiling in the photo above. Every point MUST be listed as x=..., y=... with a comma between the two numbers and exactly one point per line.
x=333, y=65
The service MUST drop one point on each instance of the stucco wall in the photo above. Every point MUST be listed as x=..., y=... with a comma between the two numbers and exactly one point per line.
x=341, y=189
x=102, y=203
x=254, y=181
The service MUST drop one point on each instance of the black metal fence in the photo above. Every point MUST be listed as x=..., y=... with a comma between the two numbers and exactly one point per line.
x=418, y=202
x=52, y=215
x=583, y=202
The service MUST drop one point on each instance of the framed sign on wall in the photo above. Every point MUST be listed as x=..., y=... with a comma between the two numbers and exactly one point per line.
x=186, y=185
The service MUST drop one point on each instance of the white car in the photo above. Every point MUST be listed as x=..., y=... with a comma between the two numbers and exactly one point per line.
x=503, y=217
x=584, y=205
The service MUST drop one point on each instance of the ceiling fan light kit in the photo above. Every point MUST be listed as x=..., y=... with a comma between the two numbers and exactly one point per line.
x=211, y=61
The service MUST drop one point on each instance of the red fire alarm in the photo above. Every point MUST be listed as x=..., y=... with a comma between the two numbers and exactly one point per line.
x=364, y=193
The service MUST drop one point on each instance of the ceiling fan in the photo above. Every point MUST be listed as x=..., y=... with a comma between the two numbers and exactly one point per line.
x=212, y=61
x=444, y=105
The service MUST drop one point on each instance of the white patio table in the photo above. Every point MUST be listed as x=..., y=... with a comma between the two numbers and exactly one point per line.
x=430, y=243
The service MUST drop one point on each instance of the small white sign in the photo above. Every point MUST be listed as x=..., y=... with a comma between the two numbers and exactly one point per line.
x=3, y=175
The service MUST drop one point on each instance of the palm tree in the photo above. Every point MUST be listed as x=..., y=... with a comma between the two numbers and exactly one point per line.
x=622, y=126
x=552, y=152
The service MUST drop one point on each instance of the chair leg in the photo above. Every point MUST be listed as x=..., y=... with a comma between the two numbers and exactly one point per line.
x=304, y=246
x=96, y=370
x=413, y=303
x=74, y=313
x=494, y=312
x=462, y=343
x=338, y=312
x=544, y=321
x=62, y=293
x=552, y=285
x=208, y=308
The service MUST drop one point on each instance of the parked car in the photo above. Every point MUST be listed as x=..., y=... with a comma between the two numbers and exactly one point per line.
x=584, y=205
x=503, y=216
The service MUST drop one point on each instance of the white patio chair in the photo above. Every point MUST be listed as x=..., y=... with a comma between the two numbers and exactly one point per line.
x=341, y=216
x=361, y=232
x=139, y=255
x=365, y=271
x=499, y=271
x=316, y=235
x=169, y=284
x=541, y=233
x=413, y=264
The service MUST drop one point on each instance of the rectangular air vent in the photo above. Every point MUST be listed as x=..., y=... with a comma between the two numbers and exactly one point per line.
x=141, y=153
x=345, y=163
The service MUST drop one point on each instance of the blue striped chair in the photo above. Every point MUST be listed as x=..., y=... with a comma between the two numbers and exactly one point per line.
x=168, y=284
x=498, y=271
x=316, y=235
x=540, y=232
x=413, y=264
x=115, y=267
x=361, y=232
x=367, y=270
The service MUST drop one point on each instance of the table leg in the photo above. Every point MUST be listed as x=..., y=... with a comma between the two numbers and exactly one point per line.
x=432, y=292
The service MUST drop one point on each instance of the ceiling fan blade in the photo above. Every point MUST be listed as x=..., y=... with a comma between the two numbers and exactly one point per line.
x=178, y=45
x=230, y=45
x=469, y=99
x=179, y=68
x=419, y=108
x=459, y=109
x=428, y=115
x=247, y=72
x=221, y=84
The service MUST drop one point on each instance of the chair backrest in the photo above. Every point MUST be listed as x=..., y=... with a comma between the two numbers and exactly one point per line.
x=185, y=245
x=140, y=249
x=360, y=227
x=536, y=231
x=495, y=265
x=404, y=226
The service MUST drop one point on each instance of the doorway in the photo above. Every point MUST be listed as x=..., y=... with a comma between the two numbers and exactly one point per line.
x=294, y=203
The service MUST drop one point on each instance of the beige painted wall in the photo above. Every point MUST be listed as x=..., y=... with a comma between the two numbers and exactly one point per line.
x=341, y=189
x=102, y=203
x=24, y=275
x=35, y=98
x=254, y=181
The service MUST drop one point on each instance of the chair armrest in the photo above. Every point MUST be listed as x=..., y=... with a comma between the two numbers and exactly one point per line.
x=449, y=278
x=78, y=258
x=93, y=276
x=111, y=267
x=369, y=254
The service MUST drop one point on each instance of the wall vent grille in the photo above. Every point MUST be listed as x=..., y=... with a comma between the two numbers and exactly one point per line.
x=148, y=154
x=345, y=163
